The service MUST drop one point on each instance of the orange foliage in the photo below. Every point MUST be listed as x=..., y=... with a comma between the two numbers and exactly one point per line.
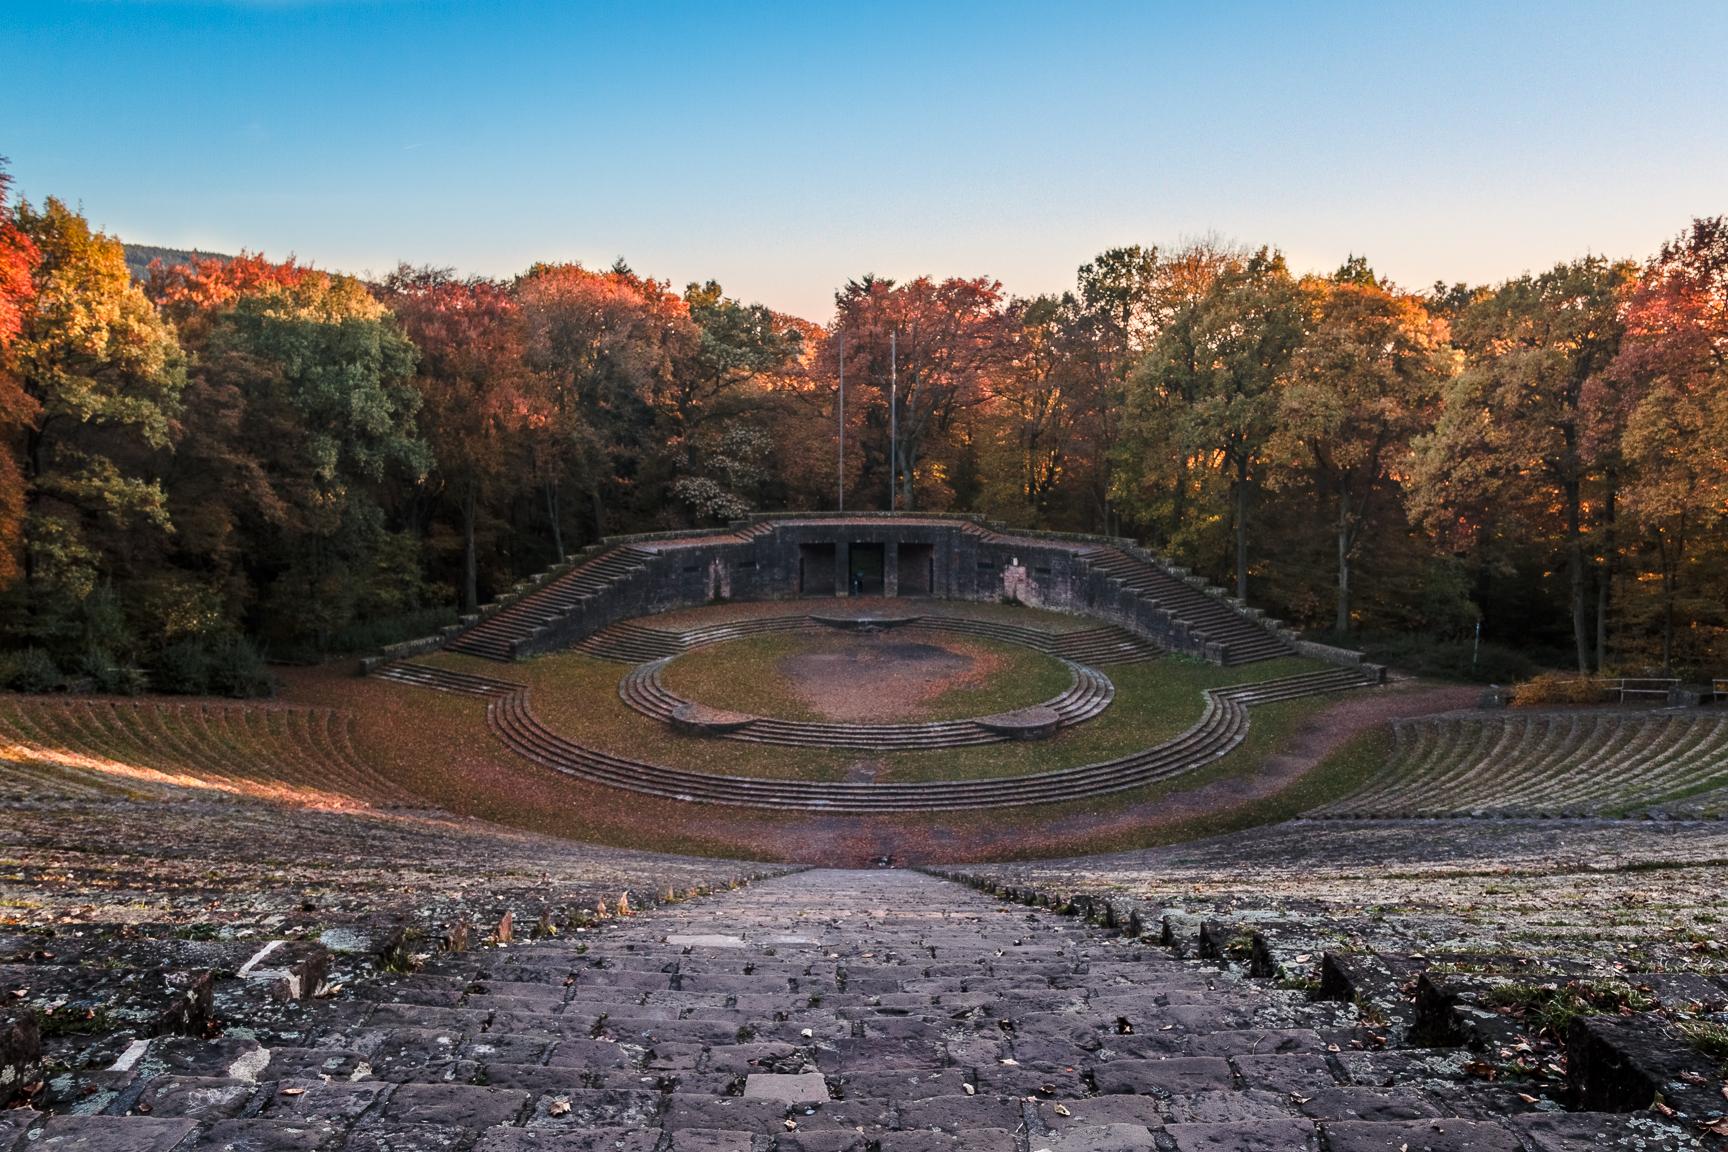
x=18, y=259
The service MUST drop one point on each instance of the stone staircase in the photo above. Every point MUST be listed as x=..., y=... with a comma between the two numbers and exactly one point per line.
x=1245, y=639
x=495, y=636
x=879, y=1011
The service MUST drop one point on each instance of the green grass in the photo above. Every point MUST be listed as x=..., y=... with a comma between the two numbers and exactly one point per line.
x=748, y=676
x=577, y=696
x=1270, y=728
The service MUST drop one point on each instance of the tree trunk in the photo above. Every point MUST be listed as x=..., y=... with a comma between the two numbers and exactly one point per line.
x=552, y=515
x=599, y=507
x=1605, y=578
x=1241, y=532
x=470, y=562
x=1575, y=572
x=1179, y=498
x=1341, y=624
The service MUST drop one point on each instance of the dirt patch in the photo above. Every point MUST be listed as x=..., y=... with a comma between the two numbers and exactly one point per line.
x=881, y=679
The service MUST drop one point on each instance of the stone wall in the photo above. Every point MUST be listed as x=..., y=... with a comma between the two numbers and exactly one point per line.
x=690, y=571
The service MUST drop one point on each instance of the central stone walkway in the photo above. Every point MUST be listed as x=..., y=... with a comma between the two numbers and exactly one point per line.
x=880, y=1011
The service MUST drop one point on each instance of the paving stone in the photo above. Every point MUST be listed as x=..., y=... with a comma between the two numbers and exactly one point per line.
x=1245, y=1136
x=1432, y=1135
x=1103, y=1138
x=710, y=1140
x=788, y=1089
x=1595, y=1131
x=266, y=1136
x=111, y=1134
x=196, y=1097
x=455, y=1104
x=1184, y=1075
x=957, y=1113
x=587, y=1140
x=1378, y=1105
x=386, y=1137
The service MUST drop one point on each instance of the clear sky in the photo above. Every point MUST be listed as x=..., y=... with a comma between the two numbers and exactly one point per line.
x=783, y=149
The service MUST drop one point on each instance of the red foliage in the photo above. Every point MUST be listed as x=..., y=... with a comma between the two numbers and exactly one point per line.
x=18, y=259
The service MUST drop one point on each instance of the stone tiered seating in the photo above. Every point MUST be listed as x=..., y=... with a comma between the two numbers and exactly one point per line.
x=1105, y=645
x=819, y=1012
x=127, y=921
x=444, y=679
x=629, y=642
x=1245, y=639
x=1088, y=694
x=160, y=748
x=493, y=636
x=1222, y=726
x=632, y=642
x=1460, y=932
x=1564, y=763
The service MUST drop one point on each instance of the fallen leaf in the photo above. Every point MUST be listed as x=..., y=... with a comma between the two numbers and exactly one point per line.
x=1061, y=1110
x=559, y=1107
x=293, y=1091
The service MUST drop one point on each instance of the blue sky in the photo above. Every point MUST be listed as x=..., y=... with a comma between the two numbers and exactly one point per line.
x=783, y=149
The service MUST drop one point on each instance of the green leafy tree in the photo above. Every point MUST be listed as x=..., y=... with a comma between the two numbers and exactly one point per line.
x=102, y=374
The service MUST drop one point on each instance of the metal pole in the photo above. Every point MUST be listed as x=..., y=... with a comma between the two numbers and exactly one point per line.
x=840, y=471
x=893, y=424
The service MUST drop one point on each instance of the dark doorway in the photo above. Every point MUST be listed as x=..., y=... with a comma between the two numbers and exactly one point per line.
x=917, y=569
x=816, y=569
x=867, y=566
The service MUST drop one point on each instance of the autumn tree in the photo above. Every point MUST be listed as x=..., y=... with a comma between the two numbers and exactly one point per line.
x=1361, y=384
x=1510, y=446
x=101, y=374
x=605, y=350
x=470, y=377
x=1245, y=330
x=1158, y=466
x=1664, y=404
x=18, y=259
x=930, y=347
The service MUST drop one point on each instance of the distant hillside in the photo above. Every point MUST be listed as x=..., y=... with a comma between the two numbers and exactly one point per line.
x=139, y=256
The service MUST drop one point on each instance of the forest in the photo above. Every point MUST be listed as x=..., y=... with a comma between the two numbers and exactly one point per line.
x=210, y=465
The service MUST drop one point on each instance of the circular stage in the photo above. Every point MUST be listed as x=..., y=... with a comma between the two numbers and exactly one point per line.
x=845, y=676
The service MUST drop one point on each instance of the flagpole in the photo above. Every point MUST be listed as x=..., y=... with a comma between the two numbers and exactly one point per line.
x=840, y=469
x=893, y=424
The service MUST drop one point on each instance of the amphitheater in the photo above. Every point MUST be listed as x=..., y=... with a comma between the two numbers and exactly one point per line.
x=862, y=833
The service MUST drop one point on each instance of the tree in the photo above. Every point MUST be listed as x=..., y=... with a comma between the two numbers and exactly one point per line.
x=1245, y=330
x=1664, y=409
x=930, y=344
x=18, y=260
x=1511, y=440
x=605, y=350
x=470, y=376
x=1032, y=394
x=1361, y=385
x=1156, y=460
x=102, y=374
x=308, y=381
x=1120, y=302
